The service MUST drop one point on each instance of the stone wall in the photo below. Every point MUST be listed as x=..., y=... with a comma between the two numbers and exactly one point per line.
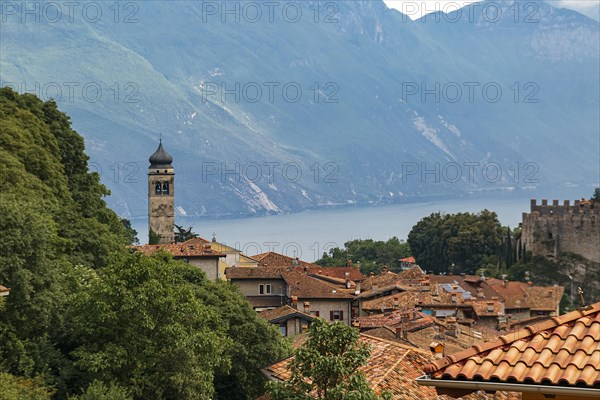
x=161, y=210
x=552, y=229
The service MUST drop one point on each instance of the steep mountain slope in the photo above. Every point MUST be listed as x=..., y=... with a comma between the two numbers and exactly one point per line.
x=364, y=127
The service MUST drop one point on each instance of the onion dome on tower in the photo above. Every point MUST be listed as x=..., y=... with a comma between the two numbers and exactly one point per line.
x=160, y=158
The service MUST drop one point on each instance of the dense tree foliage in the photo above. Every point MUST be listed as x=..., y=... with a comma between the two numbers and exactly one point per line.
x=88, y=320
x=596, y=195
x=327, y=367
x=182, y=234
x=369, y=254
x=15, y=388
x=462, y=242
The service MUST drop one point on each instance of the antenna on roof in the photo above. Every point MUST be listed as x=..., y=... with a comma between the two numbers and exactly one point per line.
x=160, y=137
x=581, y=296
x=214, y=238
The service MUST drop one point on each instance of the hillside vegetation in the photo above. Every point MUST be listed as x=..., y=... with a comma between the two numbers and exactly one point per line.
x=85, y=316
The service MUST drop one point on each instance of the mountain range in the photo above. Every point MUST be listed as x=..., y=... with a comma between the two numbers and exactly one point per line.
x=284, y=106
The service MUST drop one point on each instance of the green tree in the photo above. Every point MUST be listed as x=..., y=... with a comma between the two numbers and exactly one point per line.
x=99, y=391
x=182, y=234
x=596, y=196
x=327, y=367
x=141, y=325
x=255, y=343
x=469, y=241
x=15, y=388
x=371, y=255
x=153, y=237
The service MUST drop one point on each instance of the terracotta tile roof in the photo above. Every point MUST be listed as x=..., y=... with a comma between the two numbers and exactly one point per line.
x=412, y=273
x=516, y=324
x=254, y=272
x=283, y=313
x=272, y=259
x=300, y=284
x=412, y=319
x=341, y=283
x=387, y=278
x=521, y=295
x=487, y=308
x=545, y=298
x=514, y=293
x=381, y=289
x=399, y=301
x=191, y=248
x=392, y=367
x=470, y=283
x=354, y=273
x=562, y=351
x=306, y=287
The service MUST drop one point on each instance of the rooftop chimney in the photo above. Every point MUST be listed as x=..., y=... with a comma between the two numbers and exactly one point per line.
x=437, y=349
x=306, y=306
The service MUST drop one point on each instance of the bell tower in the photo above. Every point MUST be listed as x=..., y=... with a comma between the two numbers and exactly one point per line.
x=161, y=197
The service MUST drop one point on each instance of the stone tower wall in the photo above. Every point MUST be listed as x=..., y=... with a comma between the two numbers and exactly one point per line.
x=551, y=229
x=161, y=208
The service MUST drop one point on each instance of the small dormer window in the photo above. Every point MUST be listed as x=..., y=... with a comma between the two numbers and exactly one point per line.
x=157, y=188
x=165, y=188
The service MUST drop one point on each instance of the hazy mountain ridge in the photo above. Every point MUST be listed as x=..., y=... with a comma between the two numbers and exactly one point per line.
x=360, y=144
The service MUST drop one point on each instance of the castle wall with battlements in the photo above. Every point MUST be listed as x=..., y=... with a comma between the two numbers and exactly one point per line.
x=552, y=229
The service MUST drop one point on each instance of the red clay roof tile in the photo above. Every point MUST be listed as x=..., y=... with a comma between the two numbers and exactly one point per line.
x=561, y=351
x=191, y=248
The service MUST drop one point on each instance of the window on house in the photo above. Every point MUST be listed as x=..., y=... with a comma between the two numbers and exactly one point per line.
x=283, y=330
x=264, y=289
x=336, y=315
x=315, y=313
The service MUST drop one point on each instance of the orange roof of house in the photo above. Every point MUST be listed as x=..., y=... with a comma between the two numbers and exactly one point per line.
x=277, y=260
x=399, y=301
x=412, y=273
x=273, y=259
x=419, y=321
x=545, y=298
x=300, y=284
x=563, y=351
x=196, y=247
x=521, y=295
x=307, y=287
x=385, y=278
x=282, y=313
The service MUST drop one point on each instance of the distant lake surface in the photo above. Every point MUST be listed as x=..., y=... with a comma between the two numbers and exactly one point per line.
x=309, y=233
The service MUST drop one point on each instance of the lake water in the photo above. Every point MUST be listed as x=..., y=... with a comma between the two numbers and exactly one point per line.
x=308, y=234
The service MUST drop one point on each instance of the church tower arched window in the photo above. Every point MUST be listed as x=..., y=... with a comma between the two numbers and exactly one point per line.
x=165, y=188
x=157, y=188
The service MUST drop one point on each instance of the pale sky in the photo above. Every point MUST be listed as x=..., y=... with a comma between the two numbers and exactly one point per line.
x=416, y=8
